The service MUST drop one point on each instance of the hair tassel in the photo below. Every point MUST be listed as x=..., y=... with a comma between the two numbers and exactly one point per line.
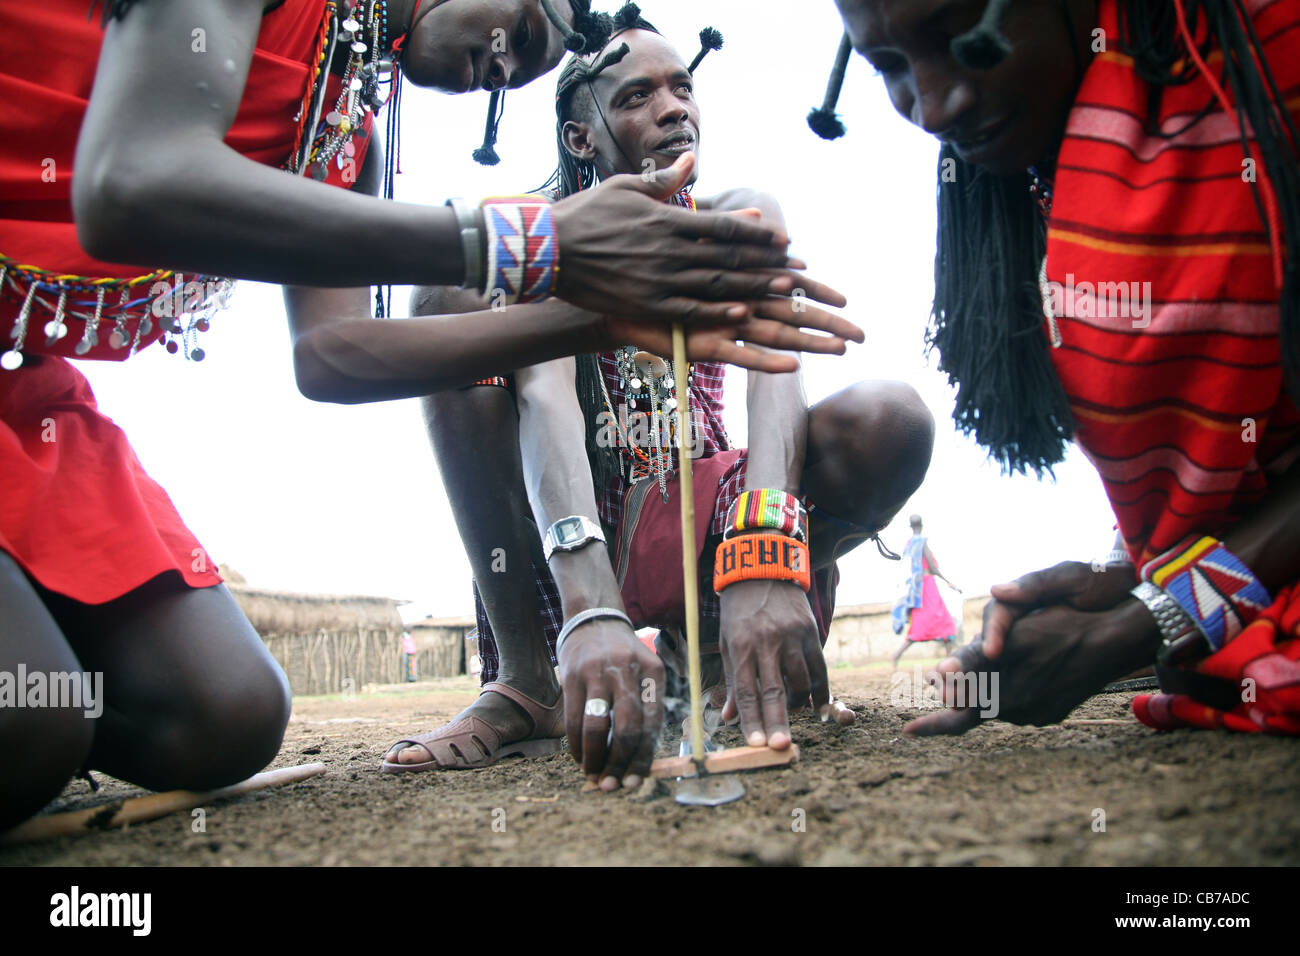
x=823, y=120
x=486, y=155
x=589, y=31
x=627, y=17
x=710, y=39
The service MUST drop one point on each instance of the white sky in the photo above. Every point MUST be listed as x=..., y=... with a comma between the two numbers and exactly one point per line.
x=312, y=497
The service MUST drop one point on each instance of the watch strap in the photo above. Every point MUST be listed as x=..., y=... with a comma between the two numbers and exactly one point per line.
x=1181, y=637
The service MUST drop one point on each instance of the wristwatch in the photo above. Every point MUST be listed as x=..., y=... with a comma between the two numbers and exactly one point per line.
x=1181, y=637
x=571, y=534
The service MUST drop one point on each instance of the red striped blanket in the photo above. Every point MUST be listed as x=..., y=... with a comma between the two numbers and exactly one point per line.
x=1161, y=277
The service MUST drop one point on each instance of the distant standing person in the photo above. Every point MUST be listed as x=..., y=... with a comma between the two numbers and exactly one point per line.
x=921, y=610
x=408, y=657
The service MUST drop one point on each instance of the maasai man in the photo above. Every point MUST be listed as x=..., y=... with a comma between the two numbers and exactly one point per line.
x=1119, y=220
x=858, y=455
x=921, y=611
x=175, y=117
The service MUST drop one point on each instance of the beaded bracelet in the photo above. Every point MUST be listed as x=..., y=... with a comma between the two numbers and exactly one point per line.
x=773, y=557
x=1211, y=584
x=768, y=509
x=522, y=255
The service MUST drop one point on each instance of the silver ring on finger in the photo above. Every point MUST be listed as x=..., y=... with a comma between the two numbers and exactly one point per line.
x=596, y=707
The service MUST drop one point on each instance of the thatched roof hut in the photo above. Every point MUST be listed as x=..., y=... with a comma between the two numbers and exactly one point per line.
x=326, y=643
x=441, y=642
x=275, y=613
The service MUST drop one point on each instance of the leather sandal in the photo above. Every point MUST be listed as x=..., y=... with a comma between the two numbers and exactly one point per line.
x=471, y=742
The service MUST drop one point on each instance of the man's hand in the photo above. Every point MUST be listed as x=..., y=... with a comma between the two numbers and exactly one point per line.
x=777, y=323
x=623, y=250
x=1052, y=660
x=773, y=659
x=1070, y=583
x=603, y=660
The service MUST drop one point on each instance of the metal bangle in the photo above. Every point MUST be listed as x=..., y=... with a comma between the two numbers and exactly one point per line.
x=1182, y=637
x=471, y=244
x=582, y=617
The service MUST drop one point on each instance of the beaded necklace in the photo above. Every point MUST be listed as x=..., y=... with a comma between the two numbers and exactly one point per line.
x=648, y=381
x=359, y=93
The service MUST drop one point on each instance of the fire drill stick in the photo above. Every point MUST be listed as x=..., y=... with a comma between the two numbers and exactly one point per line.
x=690, y=579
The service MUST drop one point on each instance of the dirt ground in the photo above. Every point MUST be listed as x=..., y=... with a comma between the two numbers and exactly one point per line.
x=860, y=795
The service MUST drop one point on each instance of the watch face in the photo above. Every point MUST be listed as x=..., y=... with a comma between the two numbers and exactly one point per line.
x=568, y=531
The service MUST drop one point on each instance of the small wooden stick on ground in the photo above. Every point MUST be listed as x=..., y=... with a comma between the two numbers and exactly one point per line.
x=120, y=813
x=726, y=761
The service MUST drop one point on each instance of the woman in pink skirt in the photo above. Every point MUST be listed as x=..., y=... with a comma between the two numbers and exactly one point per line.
x=921, y=610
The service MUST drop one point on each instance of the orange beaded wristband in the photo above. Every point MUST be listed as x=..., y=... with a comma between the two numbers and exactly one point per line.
x=774, y=557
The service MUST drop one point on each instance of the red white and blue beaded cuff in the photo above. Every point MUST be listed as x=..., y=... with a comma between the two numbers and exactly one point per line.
x=1211, y=584
x=523, y=259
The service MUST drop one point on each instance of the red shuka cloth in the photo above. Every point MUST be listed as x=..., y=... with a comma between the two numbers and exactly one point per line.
x=931, y=621
x=1182, y=409
x=78, y=513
